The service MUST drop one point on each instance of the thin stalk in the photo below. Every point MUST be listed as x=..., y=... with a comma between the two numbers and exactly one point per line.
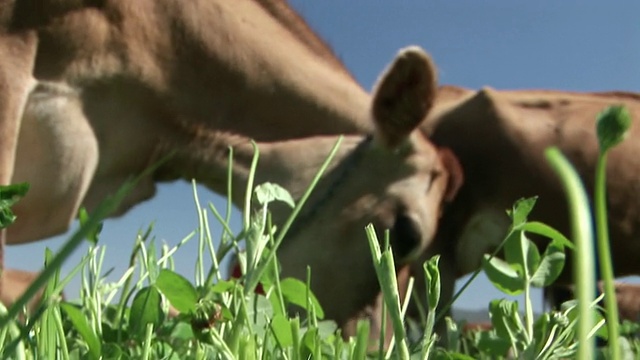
x=582, y=232
x=362, y=341
x=62, y=341
x=229, y=192
x=528, y=308
x=146, y=346
x=274, y=269
x=385, y=270
x=199, y=270
x=249, y=190
x=612, y=127
x=604, y=251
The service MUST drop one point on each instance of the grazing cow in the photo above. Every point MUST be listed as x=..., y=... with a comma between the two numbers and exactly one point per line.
x=499, y=138
x=94, y=92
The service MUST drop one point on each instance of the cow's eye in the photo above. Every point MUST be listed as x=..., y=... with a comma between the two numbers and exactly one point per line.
x=405, y=236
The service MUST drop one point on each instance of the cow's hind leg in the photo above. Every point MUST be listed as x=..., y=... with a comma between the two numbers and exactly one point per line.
x=15, y=284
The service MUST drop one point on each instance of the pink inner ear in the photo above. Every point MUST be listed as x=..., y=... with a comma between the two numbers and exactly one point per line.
x=456, y=173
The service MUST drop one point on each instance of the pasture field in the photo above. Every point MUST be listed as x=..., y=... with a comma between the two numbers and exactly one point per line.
x=223, y=318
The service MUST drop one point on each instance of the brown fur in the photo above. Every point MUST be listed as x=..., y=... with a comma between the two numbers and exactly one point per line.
x=499, y=138
x=110, y=87
x=17, y=282
x=628, y=298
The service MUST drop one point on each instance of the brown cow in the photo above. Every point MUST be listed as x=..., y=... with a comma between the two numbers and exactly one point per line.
x=96, y=91
x=499, y=138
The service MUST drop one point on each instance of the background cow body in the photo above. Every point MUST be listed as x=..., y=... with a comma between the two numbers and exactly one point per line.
x=500, y=138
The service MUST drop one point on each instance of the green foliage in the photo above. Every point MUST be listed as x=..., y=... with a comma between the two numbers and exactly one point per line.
x=269, y=192
x=222, y=321
x=9, y=195
x=295, y=292
x=385, y=270
x=92, y=236
x=178, y=291
x=83, y=327
x=432, y=281
x=145, y=310
x=523, y=266
x=227, y=319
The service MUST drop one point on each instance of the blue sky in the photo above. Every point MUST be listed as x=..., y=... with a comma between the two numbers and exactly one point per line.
x=568, y=45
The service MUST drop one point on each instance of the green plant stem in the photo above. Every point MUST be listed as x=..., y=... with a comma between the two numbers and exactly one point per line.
x=146, y=346
x=385, y=270
x=362, y=339
x=403, y=311
x=276, y=273
x=246, y=223
x=528, y=308
x=583, y=268
x=199, y=270
x=60, y=333
x=227, y=218
x=126, y=287
x=253, y=281
x=383, y=331
x=311, y=311
x=295, y=335
x=604, y=252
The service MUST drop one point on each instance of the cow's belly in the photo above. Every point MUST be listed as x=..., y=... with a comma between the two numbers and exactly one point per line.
x=57, y=154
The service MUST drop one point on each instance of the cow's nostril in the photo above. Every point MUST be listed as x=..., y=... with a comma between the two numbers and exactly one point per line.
x=406, y=237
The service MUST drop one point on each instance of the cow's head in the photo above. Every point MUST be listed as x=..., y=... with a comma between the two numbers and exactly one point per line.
x=396, y=179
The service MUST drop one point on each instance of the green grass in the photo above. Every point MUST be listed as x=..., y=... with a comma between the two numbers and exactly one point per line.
x=226, y=319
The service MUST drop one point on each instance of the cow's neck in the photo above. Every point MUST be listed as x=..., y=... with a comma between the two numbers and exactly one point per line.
x=291, y=164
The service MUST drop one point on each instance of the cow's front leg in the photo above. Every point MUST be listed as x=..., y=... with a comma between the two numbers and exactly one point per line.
x=17, y=52
x=57, y=155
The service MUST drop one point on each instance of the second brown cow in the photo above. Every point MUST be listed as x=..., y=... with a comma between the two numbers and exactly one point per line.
x=500, y=138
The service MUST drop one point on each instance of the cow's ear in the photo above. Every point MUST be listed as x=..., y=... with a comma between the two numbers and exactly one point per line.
x=455, y=173
x=403, y=96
